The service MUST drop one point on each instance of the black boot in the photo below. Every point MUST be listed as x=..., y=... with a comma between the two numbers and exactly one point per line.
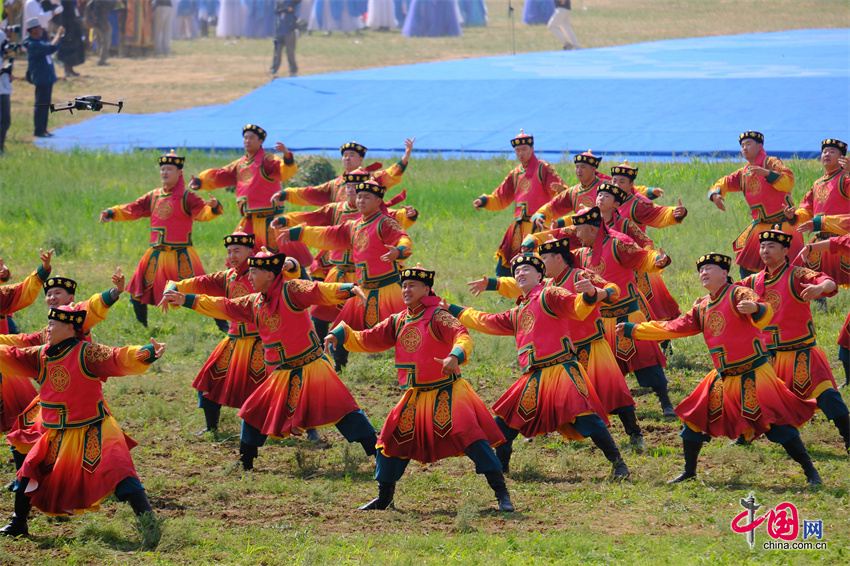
x=322, y=327
x=141, y=311
x=797, y=450
x=632, y=428
x=664, y=398
x=843, y=425
x=386, y=490
x=211, y=415
x=496, y=480
x=369, y=443
x=503, y=453
x=606, y=443
x=846, y=365
x=313, y=435
x=223, y=325
x=139, y=502
x=17, y=526
x=740, y=441
x=691, y=450
x=340, y=358
x=247, y=455
x=19, y=461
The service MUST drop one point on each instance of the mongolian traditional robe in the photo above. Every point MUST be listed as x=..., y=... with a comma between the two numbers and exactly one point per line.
x=767, y=198
x=83, y=454
x=742, y=395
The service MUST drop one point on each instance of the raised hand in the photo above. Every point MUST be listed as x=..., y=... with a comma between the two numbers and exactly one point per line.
x=789, y=212
x=276, y=224
x=662, y=260
x=680, y=211
x=194, y=183
x=358, y=292
x=478, y=203
x=280, y=148
x=104, y=216
x=409, y=211
x=450, y=364
x=478, y=286
x=539, y=224
x=620, y=329
x=212, y=203
x=719, y=202
x=408, y=150
x=45, y=258
x=278, y=199
x=4, y=271
x=158, y=348
x=118, y=280
x=330, y=343
x=658, y=193
x=392, y=254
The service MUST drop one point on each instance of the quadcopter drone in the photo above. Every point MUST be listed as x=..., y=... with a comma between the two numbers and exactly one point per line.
x=91, y=102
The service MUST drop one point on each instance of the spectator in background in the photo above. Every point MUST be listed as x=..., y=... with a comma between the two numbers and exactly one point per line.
x=100, y=11
x=187, y=13
x=41, y=72
x=337, y=15
x=34, y=9
x=72, y=48
x=473, y=13
x=537, y=11
x=231, y=19
x=381, y=15
x=285, y=34
x=432, y=18
x=163, y=19
x=5, y=98
x=559, y=25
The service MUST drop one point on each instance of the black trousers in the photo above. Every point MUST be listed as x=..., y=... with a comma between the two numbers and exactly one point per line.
x=5, y=118
x=288, y=41
x=43, y=94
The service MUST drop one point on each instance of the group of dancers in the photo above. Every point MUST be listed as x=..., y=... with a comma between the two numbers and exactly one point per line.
x=591, y=307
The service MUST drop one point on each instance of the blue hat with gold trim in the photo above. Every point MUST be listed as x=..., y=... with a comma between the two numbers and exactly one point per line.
x=239, y=239
x=625, y=170
x=261, y=133
x=776, y=235
x=372, y=187
x=522, y=139
x=554, y=246
x=531, y=259
x=172, y=159
x=591, y=217
x=720, y=260
x=268, y=261
x=587, y=157
x=619, y=194
x=353, y=146
x=837, y=144
x=62, y=282
x=69, y=315
x=418, y=273
x=757, y=137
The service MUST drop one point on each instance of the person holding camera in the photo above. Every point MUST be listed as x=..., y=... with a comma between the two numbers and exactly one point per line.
x=285, y=34
x=41, y=71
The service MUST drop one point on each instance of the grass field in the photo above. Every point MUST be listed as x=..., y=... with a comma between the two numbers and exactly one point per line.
x=298, y=506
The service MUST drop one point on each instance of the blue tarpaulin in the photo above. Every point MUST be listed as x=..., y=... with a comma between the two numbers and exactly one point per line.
x=662, y=98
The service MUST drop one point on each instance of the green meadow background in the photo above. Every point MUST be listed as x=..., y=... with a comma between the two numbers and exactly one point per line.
x=299, y=505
